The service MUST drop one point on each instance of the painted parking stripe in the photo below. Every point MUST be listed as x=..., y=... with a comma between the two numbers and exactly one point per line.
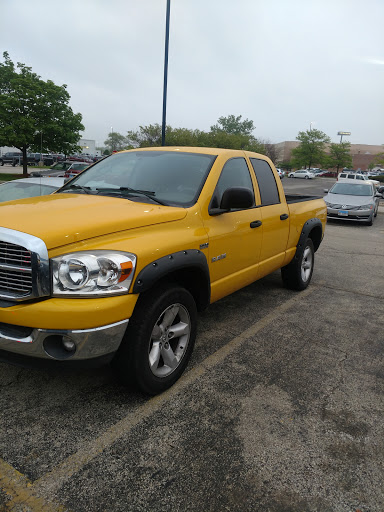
x=52, y=481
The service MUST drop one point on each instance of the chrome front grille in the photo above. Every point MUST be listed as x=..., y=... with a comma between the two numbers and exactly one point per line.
x=342, y=206
x=11, y=254
x=24, y=266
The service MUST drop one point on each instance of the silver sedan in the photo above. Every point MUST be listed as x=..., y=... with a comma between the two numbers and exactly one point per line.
x=352, y=201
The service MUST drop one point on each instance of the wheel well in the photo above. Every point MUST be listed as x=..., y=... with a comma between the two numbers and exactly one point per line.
x=316, y=235
x=192, y=279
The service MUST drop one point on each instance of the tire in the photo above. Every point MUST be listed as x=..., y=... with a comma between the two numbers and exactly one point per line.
x=370, y=221
x=2, y=162
x=291, y=176
x=376, y=210
x=151, y=358
x=307, y=177
x=298, y=274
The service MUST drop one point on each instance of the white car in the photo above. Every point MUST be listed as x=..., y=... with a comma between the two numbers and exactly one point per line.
x=280, y=172
x=357, y=178
x=302, y=173
x=29, y=187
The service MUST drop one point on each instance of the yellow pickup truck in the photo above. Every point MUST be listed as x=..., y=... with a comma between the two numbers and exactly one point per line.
x=113, y=267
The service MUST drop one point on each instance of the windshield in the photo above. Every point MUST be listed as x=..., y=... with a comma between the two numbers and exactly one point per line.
x=351, y=189
x=172, y=178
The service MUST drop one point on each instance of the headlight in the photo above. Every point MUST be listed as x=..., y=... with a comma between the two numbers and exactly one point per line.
x=93, y=273
x=327, y=203
x=365, y=207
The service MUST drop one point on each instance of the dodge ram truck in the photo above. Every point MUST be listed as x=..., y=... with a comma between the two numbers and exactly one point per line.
x=114, y=266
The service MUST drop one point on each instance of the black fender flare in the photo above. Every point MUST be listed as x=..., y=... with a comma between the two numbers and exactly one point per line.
x=307, y=228
x=174, y=263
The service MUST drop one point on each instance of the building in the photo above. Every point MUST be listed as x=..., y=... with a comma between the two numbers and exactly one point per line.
x=362, y=154
x=88, y=146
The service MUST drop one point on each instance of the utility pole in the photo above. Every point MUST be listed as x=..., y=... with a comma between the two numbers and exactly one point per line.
x=165, y=73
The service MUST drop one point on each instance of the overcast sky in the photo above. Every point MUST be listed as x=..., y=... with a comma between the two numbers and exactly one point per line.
x=281, y=63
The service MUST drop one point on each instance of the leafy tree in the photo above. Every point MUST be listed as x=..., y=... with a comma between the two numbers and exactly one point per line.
x=35, y=114
x=340, y=155
x=379, y=159
x=115, y=141
x=287, y=166
x=311, y=149
x=151, y=136
x=146, y=136
x=234, y=125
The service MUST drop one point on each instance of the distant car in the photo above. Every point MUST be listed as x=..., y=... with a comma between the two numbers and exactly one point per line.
x=357, y=177
x=380, y=190
x=80, y=158
x=29, y=187
x=280, y=172
x=350, y=200
x=302, y=173
x=11, y=157
x=75, y=169
x=57, y=170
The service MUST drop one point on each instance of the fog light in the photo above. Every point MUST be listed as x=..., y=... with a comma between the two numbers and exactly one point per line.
x=69, y=345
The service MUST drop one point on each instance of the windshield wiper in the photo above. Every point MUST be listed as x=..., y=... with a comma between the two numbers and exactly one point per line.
x=87, y=190
x=131, y=191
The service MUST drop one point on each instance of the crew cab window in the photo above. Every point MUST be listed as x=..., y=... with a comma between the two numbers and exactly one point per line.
x=269, y=192
x=235, y=173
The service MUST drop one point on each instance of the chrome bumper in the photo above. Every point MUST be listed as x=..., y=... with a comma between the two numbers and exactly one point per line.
x=62, y=345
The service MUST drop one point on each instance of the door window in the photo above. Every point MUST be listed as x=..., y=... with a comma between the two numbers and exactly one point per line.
x=266, y=180
x=235, y=173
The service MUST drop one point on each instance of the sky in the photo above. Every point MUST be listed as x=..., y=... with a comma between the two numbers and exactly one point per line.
x=287, y=65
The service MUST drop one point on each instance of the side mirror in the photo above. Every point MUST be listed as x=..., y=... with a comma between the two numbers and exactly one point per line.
x=236, y=197
x=379, y=195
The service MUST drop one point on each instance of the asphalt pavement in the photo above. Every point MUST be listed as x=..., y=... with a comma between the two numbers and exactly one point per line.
x=280, y=410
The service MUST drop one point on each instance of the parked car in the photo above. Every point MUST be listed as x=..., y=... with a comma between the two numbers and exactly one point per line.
x=356, y=177
x=302, y=173
x=350, y=200
x=116, y=270
x=58, y=169
x=75, y=169
x=280, y=172
x=380, y=190
x=29, y=187
x=80, y=158
x=11, y=157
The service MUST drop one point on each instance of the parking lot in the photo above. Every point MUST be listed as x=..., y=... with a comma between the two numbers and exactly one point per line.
x=281, y=407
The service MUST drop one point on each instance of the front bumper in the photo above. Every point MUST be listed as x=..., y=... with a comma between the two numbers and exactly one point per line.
x=356, y=215
x=60, y=345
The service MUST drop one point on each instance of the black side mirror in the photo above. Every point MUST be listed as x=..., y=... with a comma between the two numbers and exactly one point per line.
x=236, y=197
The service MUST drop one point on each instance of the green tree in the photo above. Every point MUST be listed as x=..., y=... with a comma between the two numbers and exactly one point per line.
x=311, y=149
x=234, y=125
x=340, y=155
x=115, y=141
x=35, y=114
x=146, y=136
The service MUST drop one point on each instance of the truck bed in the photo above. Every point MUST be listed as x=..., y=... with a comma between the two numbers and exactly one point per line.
x=297, y=198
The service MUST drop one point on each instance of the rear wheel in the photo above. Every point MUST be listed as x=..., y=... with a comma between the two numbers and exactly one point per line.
x=297, y=275
x=159, y=340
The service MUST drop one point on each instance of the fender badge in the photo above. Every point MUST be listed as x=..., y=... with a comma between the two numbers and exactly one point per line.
x=220, y=257
x=204, y=246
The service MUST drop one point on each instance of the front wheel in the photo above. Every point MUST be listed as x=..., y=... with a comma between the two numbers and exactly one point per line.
x=297, y=275
x=159, y=340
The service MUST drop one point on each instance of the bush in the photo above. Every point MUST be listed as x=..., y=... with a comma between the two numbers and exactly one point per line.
x=377, y=178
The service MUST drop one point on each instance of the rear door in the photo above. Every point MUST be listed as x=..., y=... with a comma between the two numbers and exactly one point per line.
x=274, y=215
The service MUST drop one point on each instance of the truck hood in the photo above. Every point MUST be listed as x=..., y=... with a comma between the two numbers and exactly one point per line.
x=61, y=219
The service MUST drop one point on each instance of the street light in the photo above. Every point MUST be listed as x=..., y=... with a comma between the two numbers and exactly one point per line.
x=310, y=125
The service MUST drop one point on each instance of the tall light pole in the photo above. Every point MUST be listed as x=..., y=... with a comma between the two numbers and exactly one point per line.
x=165, y=73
